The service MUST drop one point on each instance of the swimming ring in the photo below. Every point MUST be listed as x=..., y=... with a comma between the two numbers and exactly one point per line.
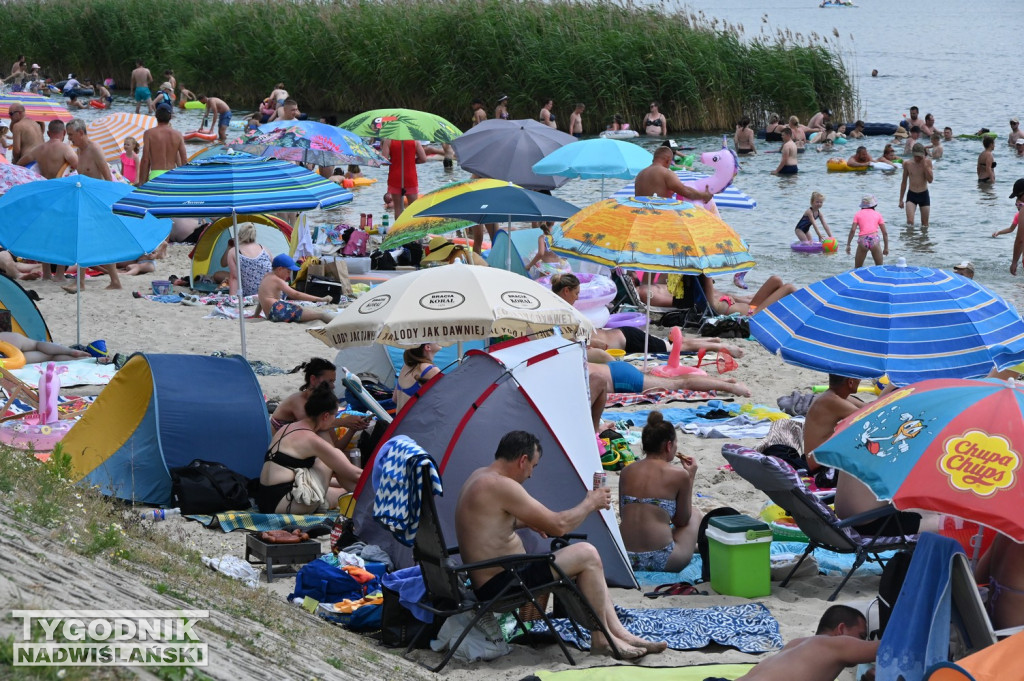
x=806, y=246
x=199, y=135
x=13, y=357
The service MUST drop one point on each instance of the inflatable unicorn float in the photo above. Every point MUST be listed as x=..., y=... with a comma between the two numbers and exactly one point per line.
x=725, y=164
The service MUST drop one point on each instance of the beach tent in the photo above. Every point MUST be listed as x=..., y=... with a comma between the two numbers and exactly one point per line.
x=25, y=316
x=161, y=412
x=523, y=244
x=384, y=362
x=539, y=386
x=271, y=231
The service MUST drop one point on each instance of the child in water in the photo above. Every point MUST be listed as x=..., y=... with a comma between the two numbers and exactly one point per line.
x=811, y=217
x=870, y=222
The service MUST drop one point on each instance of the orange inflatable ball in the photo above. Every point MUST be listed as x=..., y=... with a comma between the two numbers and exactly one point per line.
x=829, y=245
x=348, y=183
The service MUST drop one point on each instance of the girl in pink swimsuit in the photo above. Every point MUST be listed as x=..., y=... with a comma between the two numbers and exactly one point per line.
x=870, y=223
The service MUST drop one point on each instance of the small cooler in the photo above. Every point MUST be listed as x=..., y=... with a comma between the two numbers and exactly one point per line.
x=739, y=549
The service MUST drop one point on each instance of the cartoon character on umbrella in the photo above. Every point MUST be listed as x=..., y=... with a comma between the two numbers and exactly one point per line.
x=908, y=429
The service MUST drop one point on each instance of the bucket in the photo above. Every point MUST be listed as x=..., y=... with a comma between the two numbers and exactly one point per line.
x=161, y=287
x=616, y=353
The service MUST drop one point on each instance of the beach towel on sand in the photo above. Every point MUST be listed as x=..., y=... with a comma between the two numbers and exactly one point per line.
x=661, y=396
x=750, y=628
x=79, y=372
x=917, y=635
x=261, y=522
x=629, y=672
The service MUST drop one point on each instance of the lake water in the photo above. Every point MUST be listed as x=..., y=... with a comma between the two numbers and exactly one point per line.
x=959, y=66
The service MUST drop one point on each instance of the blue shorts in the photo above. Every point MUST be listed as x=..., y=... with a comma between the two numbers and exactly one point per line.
x=142, y=94
x=626, y=378
x=225, y=119
x=281, y=311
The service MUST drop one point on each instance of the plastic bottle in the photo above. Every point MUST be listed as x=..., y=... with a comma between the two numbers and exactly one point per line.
x=385, y=223
x=160, y=513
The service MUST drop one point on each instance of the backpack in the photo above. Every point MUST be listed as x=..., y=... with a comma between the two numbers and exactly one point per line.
x=326, y=583
x=208, y=488
x=893, y=575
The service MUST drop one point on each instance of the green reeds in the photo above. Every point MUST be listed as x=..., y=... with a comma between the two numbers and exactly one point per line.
x=346, y=56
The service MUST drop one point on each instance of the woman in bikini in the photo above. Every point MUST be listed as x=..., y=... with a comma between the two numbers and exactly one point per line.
x=743, y=140
x=773, y=131
x=418, y=370
x=299, y=459
x=546, y=262
x=655, y=124
x=986, y=162
x=1002, y=568
x=658, y=521
x=316, y=372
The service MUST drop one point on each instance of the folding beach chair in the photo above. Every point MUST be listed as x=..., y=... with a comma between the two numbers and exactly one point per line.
x=17, y=389
x=823, y=528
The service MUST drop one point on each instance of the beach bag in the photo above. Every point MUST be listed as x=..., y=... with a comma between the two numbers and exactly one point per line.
x=725, y=327
x=893, y=576
x=398, y=625
x=335, y=269
x=208, y=488
x=356, y=244
x=326, y=583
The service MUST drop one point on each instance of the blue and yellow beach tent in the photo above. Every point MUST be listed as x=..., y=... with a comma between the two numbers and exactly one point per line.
x=25, y=316
x=272, y=233
x=161, y=412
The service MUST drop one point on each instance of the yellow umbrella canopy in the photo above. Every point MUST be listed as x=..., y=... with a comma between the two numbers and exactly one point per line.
x=409, y=228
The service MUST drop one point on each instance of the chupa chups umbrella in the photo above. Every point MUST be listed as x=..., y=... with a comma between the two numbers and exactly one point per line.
x=409, y=227
x=451, y=304
x=308, y=142
x=595, y=159
x=909, y=323
x=402, y=124
x=68, y=221
x=110, y=130
x=507, y=150
x=230, y=185
x=37, y=107
x=947, y=445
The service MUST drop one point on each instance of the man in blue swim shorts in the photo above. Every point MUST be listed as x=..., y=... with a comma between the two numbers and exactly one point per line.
x=274, y=288
x=623, y=377
x=221, y=115
x=139, y=84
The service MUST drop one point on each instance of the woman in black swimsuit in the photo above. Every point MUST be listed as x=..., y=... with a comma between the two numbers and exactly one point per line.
x=297, y=447
x=986, y=162
x=655, y=124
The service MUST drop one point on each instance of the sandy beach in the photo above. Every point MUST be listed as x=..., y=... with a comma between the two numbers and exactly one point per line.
x=131, y=324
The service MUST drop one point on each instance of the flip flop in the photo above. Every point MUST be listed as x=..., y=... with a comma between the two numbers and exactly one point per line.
x=676, y=589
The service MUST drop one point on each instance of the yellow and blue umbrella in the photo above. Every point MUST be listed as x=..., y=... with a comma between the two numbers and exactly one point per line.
x=410, y=227
x=308, y=142
x=910, y=323
x=651, y=234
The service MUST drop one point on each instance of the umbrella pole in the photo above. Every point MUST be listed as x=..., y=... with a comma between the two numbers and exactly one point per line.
x=78, y=304
x=647, y=330
x=508, y=251
x=238, y=269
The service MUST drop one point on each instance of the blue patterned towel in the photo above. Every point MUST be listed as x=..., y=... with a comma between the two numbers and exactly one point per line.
x=396, y=477
x=750, y=628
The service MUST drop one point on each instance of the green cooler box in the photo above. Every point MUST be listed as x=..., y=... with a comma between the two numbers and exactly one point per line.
x=739, y=549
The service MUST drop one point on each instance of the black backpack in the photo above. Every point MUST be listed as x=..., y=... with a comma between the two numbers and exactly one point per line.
x=893, y=575
x=208, y=488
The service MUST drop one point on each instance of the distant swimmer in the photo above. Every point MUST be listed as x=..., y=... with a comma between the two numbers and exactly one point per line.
x=787, y=164
x=1015, y=132
x=917, y=175
x=874, y=73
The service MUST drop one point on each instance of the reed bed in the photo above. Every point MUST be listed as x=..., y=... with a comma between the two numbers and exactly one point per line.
x=346, y=56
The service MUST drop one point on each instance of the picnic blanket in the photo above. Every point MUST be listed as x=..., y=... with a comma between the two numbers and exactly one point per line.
x=750, y=628
x=79, y=372
x=261, y=522
x=661, y=396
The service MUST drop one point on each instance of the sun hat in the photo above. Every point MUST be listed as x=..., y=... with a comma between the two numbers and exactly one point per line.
x=36, y=66
x=284, y=260
x=1014, y=120
x=502, y=99
x=965, y=265
x=901, y=132
x=438, y=249
x=919, y=149
x=868, y=201
x=166, y=85
x=1018, y=188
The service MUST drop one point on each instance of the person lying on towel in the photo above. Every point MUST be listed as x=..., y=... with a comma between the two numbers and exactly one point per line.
x=837, y=644
x=41, y=351
x=493, y=504
x=274, y=288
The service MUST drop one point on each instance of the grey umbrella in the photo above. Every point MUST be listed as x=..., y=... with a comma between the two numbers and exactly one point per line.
x=507, y=150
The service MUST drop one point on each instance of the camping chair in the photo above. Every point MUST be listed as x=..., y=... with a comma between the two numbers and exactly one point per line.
x=823, y=528
x=653, y=312
x=17, y=389
x=446, y=595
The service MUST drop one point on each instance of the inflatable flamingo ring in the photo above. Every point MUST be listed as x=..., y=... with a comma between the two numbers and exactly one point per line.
x=674, y=368
x=726, y=166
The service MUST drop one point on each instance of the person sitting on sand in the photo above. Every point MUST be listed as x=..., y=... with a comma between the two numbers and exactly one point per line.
x=254, y=259
x=417, y=370
x=838, y=643
x=493, y=503
x=144, y=264
x=274, y=288
x=18, y=270
x=440, y=251
x=317, y=372
x=298, y=460
x=1002, y=568
x=658, y=521
x=41, y=351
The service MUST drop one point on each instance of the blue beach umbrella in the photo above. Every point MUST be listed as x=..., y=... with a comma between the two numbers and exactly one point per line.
x=68, y=221
x=595, y=159
x=229, y=184
x=910, y=323
x=308, y=142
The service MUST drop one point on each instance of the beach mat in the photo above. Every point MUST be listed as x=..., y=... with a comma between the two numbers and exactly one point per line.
x=661, y=396
x=78, y=372
x=750, y=628
x=628, y=672
x=260, y=522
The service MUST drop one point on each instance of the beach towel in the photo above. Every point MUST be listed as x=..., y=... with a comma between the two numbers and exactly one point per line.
x=631, y=672
x=736, y=428
x=65, y=405
x=397, y=474
x=661, y=396
x=165, y=298
x=917, y=635
x=411, y=589
x=259, y=367
x=231, y=312
x=79, y=372
x=261, y=522
x=750, y=628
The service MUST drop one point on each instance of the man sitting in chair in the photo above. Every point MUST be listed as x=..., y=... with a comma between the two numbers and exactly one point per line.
x=493, y=504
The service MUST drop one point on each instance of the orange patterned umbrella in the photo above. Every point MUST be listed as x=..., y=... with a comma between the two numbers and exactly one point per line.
x=37, y=107
x=109, y=132
x=652, y=234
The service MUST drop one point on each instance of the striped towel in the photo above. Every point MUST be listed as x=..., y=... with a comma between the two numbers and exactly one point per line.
x=260, y=522
x=661, y=395
x=397, y=502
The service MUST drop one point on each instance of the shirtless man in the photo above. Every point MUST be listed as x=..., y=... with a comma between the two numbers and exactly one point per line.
x=139, y=85
x=163, y=149
x=221, y=115
x=493, y=504
x=479, y=115
x=657, y=180
x=857, y=132
x=860, y=159
x=918, y=174
x=546, y=117
x=185, y=95
x=837, y=644
x=827, y=410
x=52, y=154
x=914, y=120
x=928, y=127
x=1015, y=132
x=274, y=288
x=576, y=121
x=26, y=133
x=787, y=164
x=289, y=111
x=818, y=120
x=91, y=163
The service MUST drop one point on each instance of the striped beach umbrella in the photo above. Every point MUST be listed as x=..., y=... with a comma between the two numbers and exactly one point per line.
x=730, y=197
x=37, y=107
x=910, y=323
x=110, y=131
x=229, y=185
